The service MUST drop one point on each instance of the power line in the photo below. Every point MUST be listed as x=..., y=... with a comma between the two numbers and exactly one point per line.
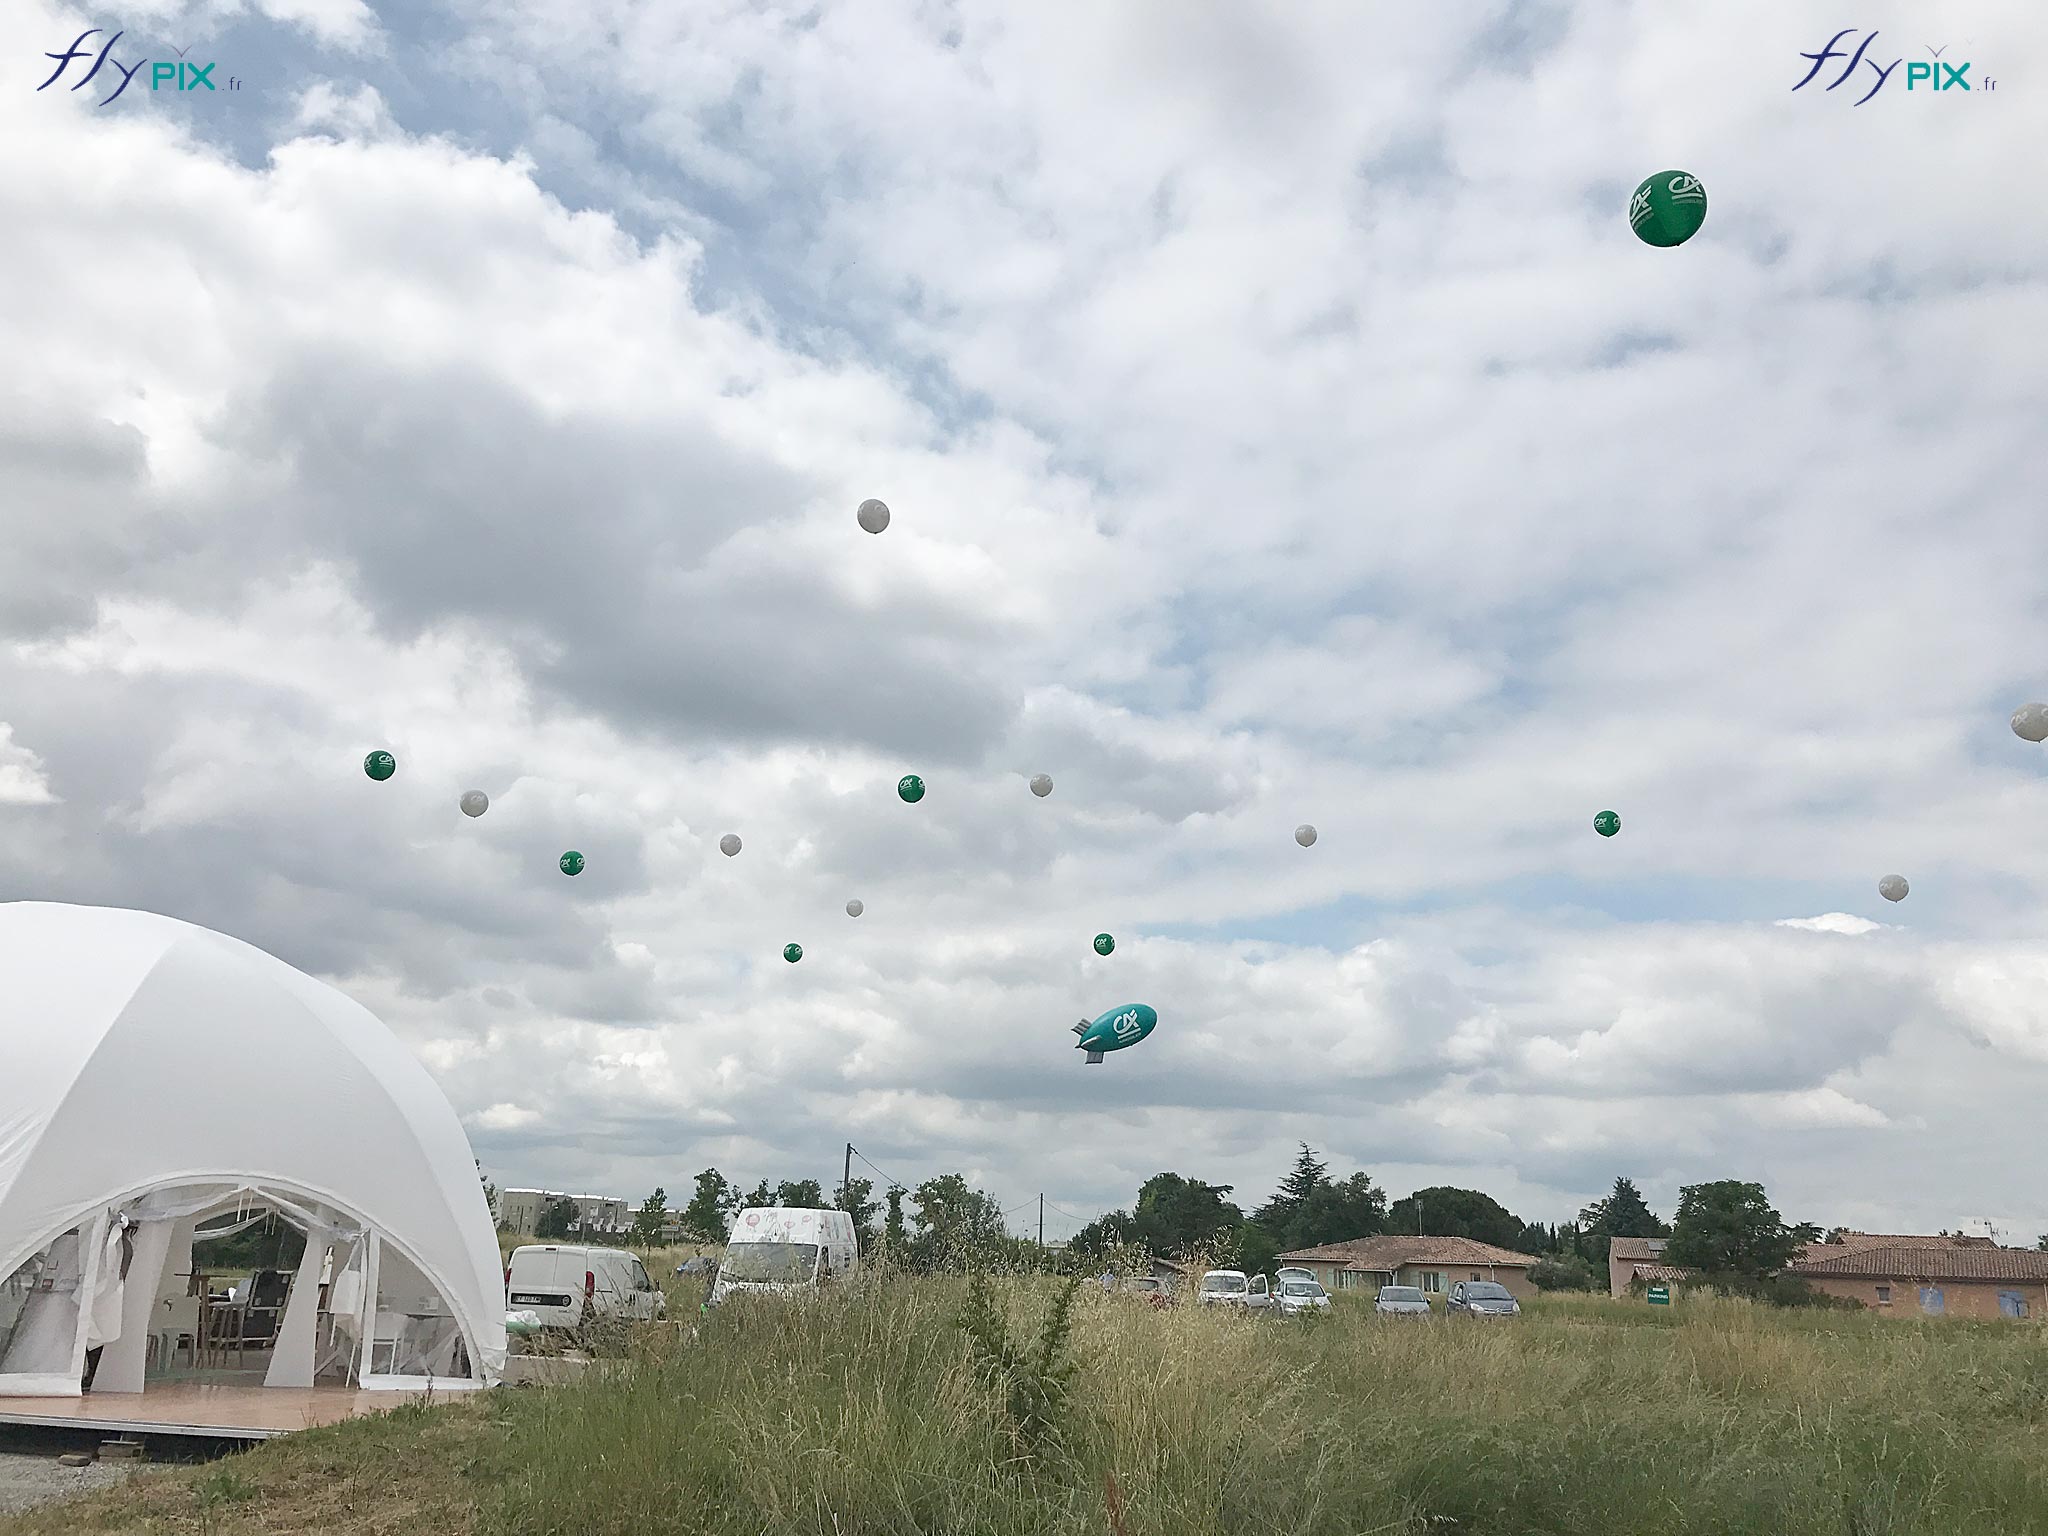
x=894, y=1182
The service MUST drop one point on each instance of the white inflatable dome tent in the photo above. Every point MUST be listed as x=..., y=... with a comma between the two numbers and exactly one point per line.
x=161, y=1084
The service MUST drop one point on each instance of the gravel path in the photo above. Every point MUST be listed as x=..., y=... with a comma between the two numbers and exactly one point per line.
x=29, y=1478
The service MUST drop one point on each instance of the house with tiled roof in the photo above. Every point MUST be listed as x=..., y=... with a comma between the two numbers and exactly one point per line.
x=1633, y=1259
x=1431, y=1264
x=1955, y=1277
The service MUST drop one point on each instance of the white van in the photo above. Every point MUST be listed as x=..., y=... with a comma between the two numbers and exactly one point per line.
x=785, y=1248
x=556, y=1283
x=1231, y=1288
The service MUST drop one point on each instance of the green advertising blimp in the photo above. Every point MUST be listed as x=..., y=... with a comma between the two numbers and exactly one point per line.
x=1114, y=1030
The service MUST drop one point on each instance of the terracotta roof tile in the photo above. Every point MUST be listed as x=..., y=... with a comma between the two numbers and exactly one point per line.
x=1635, y=1247
x=1660, y=1272
x=1922, y=1263
x=1393, y=1252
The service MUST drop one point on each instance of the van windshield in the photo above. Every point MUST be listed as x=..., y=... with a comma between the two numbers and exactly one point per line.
x=771, y=1263
x=1230, y=1284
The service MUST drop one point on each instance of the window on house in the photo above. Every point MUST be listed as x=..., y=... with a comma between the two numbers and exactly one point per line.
x=2011, y=1304
x=1884, y=1295
x=1432, y=1280
x=1930, y=1300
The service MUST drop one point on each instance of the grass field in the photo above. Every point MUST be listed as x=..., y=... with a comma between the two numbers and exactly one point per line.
x=864, y=1413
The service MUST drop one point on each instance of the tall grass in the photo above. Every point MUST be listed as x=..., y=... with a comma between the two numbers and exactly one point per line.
x=870, y=1412
x=876, y=1411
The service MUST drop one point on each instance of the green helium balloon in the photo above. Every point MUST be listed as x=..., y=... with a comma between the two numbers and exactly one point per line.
x=1104, y=943
x=1668, y=208
x=572, y=863
x=1607, y=823
x=380, y=766
x=792, y=953
x=911, y=788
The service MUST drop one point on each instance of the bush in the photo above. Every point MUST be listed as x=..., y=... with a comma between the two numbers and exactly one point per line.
x=1033, y=1384
x=1562, y=1272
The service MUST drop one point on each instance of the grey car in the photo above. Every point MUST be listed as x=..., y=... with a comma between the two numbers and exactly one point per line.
x=1482, y=1298
x=1401, y=1301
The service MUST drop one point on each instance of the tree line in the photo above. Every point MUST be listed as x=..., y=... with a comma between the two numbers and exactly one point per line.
x=1726, y=1231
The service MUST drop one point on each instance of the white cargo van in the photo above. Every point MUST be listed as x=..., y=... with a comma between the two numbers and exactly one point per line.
x=784, y=1248
x=557, y=1283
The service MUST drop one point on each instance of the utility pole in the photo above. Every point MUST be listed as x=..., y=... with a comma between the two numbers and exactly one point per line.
x=1041, y=1219
x=846, y=1178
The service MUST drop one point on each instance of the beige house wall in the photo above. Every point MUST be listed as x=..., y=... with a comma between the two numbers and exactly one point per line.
x=1620, y=1272
x=1960, y=1298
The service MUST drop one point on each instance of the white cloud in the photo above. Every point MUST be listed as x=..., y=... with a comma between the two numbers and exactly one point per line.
x=22, y=779
x=1832, y=922
x=1261, y=450
x=505, y=1117
x=360, y=112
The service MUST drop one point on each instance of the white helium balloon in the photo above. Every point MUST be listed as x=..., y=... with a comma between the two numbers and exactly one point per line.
x=1304, y=834
x=1041, y=784
x=2030, y=722
x=475, y=802
x=854, y=909
x=729, y=844
x=1892, y=887
x=873, y=515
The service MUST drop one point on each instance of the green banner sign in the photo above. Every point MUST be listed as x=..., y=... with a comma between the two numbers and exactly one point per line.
x=1660, y=1295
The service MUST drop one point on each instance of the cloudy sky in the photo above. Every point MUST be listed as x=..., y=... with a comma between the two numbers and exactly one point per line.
x=1280, y=424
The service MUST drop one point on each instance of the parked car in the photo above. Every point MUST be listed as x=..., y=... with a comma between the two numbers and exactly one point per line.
x=1231, y=1288
x=1401, y=1301
x=1150, y=1288
x=1288, y=1272
x=1296, y=1298
x=561, y=1285
x=1482, y=1298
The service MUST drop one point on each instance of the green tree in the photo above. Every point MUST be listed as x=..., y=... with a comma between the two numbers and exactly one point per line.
x=1561, y=1272
x=1338, y=1212
x=556, y=1220
x=1624, y=1213
x=1727, y=1229
x=1251, y=1248
x=1175, y=1215
x=894, y=1234
x=708, y=1216
x=650, y=1218
x=954, y=1223
x=1278, y=1215
x=760, y=1197
x=853, y=1199
x=1445, y=1211
x=1106, y=1233
x=490, y=1192
x=802, y=1195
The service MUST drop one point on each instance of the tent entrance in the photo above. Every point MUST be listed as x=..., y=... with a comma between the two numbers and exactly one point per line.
x=210, y=1286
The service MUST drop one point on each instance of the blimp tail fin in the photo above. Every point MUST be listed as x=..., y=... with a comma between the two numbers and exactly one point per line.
x=1081, y=1028
x=1093, y=1057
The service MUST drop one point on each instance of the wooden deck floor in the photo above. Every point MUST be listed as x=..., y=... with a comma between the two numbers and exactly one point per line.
x=206, y=1411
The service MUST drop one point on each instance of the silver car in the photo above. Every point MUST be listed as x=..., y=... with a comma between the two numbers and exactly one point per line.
x=1300, y=1297
x=1401, y=1301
